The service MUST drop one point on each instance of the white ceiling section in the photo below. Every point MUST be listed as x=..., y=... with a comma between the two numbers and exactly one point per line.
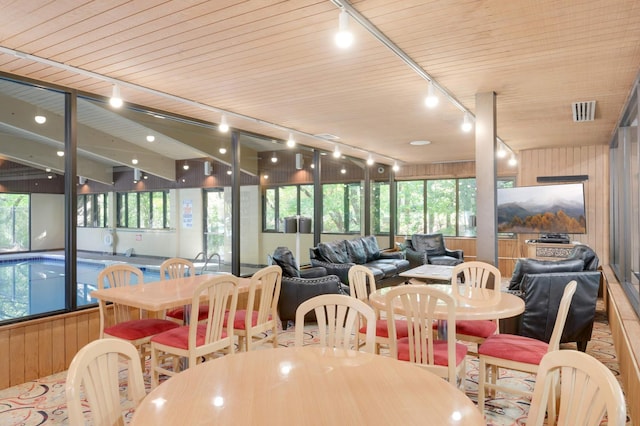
x=274, y=66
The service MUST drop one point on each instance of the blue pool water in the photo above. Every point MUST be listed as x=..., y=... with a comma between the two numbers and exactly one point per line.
x=36, y=285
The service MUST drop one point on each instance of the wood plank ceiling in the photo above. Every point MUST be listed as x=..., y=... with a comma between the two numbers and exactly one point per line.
x=276, y=61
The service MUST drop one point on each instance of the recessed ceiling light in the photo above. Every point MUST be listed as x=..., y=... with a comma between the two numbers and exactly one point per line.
x=418, y=143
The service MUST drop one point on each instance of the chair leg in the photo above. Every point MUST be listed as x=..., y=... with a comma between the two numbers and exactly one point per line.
x=482, y=378
x=154, y=371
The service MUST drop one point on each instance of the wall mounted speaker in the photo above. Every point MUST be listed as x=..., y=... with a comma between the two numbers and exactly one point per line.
x=137, y=174
x=82, y=180
x=572, y=178
x=207, y=168
x=299, y=161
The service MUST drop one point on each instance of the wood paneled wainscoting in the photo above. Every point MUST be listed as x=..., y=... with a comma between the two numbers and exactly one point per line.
x=625, y=331
x=38, y=348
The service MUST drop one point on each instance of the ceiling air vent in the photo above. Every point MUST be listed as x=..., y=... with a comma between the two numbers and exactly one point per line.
x=583, y=111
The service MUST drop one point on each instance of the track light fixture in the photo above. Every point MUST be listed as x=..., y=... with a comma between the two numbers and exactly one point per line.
x=501, y=152
x=344, y=37
x=151, y=138
x=291, y=142
x=223, y=127
x=513, y=161
x=274, y=159
x=467, y=124
x=370, y=161
x=116, y=100
x=432, y=100
x=396, y=167
x=185, y=166
x=60, y=153
x=134, y=160
x=40, y=119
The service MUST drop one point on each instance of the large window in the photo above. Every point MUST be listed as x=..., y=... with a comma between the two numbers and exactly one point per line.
x=286, y=201
x=143, y=210
x=92, y=210
x=341, y=208
x=625, y=202
x=380, y=208
x=446, y=206
x=14, y=222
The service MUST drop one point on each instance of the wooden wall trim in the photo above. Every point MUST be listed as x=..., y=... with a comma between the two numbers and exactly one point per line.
x=41, y=347
x=625, y=330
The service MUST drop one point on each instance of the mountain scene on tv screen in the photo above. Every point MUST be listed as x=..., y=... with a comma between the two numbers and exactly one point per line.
x=560, y=217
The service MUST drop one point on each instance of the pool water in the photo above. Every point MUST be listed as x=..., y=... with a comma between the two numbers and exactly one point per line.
x=36, y=285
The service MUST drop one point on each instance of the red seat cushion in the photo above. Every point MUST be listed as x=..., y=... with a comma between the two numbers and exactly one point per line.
x=137, y=329
x=477, y=328
x=179, y=337
x=383, y=331
x=178, y=313
x=515, y=348
x=238, y=322
x=439, y=351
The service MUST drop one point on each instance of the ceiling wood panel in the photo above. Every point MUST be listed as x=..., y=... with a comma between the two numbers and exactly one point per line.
x=276, y=61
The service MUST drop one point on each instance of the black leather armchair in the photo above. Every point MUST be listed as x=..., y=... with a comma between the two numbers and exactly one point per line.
x=422, y=249
x=299, y=285
x=541, y=283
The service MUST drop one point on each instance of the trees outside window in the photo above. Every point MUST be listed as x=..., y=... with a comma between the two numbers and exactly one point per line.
x=143, y=210
x=14, y=222
x=341, y=213
x=286, y=201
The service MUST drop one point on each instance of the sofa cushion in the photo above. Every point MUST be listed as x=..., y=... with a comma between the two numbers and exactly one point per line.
x=433, y=244
x=535, y=266
x=285, y=260
x=587, y=255
x=356, y=251
x=371, y=247
x=444, y=260
x=334, y=252
x=386, y=266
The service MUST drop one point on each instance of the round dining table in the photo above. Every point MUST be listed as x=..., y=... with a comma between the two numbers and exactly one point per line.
x=477, y=304
x=306, y=386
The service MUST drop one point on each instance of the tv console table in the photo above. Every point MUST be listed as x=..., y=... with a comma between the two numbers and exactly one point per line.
x=549, y=251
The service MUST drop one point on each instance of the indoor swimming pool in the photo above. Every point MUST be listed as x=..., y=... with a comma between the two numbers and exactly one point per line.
x=34, y=285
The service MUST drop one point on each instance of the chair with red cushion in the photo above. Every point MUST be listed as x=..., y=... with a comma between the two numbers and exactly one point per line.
x=122, y=321
x=173, y=268
x=258, y=323
x=518, y=352
x=198, y=341
x=361, y=284
x=418, y=303
x=475, y=275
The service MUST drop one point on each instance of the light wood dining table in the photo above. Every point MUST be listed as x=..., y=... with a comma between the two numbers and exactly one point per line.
x=159, y=295
x=306, y=386
x=483, y=307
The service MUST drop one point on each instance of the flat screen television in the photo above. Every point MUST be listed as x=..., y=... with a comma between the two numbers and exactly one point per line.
x=544, y=209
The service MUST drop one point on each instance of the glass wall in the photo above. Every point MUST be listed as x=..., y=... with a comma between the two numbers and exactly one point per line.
x=625, y=202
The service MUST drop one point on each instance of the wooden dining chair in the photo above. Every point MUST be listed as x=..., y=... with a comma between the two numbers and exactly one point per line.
x=174, y=268
x=122, y=321
x=518, y=352
x=338, y=316
x=422, y=347
x=96, y=370
x=198, y=341
x=258, y=323
x=588, y=391
x=361, y=284
x=476, y=275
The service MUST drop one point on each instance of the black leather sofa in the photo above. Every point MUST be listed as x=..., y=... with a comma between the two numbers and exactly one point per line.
x=338, y=256
x=541, y=283
x=422, y=249
x=299, y=285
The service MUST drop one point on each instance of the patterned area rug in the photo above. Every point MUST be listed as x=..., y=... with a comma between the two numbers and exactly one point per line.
x=43, y=401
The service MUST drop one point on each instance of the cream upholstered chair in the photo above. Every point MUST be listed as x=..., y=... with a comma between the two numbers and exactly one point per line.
x=361, y=284
x=587, y=388
x=198, y=340
x=418, y=303
x=118, y=320
x=338, y=318
x=518, y=352
x=252, y=325
x=476, y=275
x=96, y=370
x=177, y=267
